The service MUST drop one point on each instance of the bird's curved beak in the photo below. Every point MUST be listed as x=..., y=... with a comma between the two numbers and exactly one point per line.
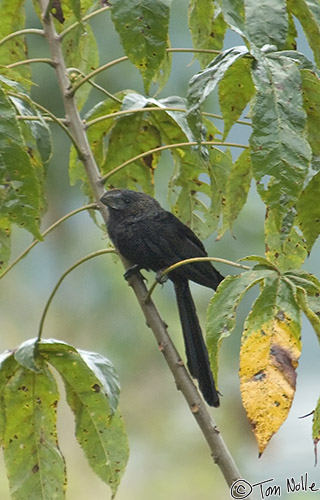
x=111, y=198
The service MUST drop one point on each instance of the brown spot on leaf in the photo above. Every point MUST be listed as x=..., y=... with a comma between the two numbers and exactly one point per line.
x=284, y=362
x=35, y=468
x=96, y=388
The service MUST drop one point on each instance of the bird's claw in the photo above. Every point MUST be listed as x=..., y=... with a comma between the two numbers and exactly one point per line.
x=161, y=278
x=133, y=270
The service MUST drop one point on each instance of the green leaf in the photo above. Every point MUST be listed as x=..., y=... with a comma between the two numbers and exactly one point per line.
x=233, y=13
x=143, y=29
x=291, y=43
x=309, y=211
x=96, y=136
x=267, y=24
x=307, y=290
x=308, y=13
x=204, y=82
x=186, y=190
x=20, y=197
x=285, y=245
x=316, y=425
x=237, y=188
x=75, y=6
x=311, y=103
x=5, y=246
x=222, y=309
x=13, y=19
x=25, y=355
x=207, y=28
x=36, y=133
x=92, y=393
x=219, y=171
x=74, y=10
x=164, y=70
x=8, y=366
x=235, y=91
x=279, y=149
x=105, y=373
x=131, y=136
x=35, y=466
x=81, y=52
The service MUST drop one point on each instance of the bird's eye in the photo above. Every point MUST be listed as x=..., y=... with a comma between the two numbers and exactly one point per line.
x=127, y=200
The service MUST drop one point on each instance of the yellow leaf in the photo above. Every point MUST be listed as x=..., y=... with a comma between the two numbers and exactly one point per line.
x=268, y=358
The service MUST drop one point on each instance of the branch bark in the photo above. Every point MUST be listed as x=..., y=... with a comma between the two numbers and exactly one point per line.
x=211, y=433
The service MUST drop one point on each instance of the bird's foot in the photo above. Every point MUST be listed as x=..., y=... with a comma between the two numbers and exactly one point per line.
x=160, y=277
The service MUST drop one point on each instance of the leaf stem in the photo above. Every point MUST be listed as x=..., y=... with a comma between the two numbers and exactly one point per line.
x=44, y=234
x=27, y=31
x=146, y=109
x=68, y=271
x=29, y=61
x=168, y=146
x=190, y=261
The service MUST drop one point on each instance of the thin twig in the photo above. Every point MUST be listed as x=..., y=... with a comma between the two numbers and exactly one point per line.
x=83, y=20
x=95, y=85
x=95, y=72
x=54, y=118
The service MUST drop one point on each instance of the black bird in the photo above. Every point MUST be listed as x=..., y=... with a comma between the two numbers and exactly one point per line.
x=152, y=238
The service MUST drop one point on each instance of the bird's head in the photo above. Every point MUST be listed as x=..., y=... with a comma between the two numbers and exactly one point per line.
x=129, y=202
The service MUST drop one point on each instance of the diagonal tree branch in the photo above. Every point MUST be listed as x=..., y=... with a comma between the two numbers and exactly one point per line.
x=197, y=406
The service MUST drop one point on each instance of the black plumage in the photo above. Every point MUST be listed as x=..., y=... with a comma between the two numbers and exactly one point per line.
x=152, y=238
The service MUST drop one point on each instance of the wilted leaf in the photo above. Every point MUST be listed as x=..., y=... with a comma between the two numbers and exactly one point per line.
x=269, y=354
x=143, y=29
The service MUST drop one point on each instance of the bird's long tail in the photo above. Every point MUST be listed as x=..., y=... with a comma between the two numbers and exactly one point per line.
x=196, y=350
